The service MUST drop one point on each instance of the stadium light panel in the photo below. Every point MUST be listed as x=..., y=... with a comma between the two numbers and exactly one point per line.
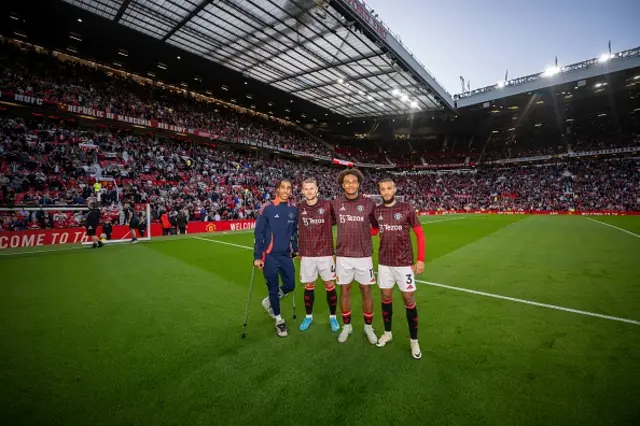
x=551, y=71
x=414, y=104
x=370, y=97
x=501, y=84
x=341, y=80
x=79, y=20
x=404, y=98
x=395, y=92
x=604, y=57
x=361, y=93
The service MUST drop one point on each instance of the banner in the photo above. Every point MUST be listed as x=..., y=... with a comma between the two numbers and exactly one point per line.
x=442, y=166
x=342, y=162
x=45, y=237
x=631, y=149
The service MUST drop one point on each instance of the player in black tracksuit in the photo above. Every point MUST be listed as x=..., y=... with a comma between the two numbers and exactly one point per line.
x=91, y=225
x=134, y=221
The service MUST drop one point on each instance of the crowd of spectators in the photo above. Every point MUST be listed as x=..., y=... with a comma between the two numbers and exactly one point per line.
x=45, y=164
x=25, y=72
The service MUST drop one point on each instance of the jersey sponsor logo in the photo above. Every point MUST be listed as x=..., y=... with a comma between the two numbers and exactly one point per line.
x=387, y=228
x=312, y=221
x=360, y=208
x=397, y=216
x=344, y=218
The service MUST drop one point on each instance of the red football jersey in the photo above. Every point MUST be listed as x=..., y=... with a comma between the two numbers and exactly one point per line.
x=314, y=229
x=395, y=224
x=354, y=219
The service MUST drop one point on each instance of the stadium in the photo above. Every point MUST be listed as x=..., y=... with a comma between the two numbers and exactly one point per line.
x=177, y=120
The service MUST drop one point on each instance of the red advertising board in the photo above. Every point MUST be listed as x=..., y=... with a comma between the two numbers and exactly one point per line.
x=45, y=237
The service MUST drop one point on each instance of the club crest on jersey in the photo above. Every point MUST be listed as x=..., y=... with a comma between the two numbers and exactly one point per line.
x=292, y=215
x=397, y=216
x=360, y=208
x=320, y=211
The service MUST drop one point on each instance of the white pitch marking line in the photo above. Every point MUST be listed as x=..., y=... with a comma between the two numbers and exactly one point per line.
x=43, y=251
x=482, y=293
x=223, y=242
x=143, y=241
x=530, y=302
x=613, y=226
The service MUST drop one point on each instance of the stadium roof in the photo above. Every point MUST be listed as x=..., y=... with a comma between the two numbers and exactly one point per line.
x=317, y=52
x=553, y=76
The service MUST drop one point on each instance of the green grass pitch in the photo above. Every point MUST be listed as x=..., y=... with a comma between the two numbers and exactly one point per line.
x=150, y=334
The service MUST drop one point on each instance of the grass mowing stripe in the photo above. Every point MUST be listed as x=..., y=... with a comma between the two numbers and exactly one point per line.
x=440, y=221
x=613, y=226
x=481, y=293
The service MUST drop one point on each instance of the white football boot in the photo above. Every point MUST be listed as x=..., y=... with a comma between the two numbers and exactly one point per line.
x=415, y=349
x=347, y=329
x=384, y=339
x=371, y=335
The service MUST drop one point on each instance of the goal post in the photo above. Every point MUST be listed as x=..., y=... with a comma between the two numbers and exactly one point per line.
x=65, y=221
x=127, y=238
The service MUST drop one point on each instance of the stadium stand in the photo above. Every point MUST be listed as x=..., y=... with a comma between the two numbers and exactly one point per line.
x=46, y=164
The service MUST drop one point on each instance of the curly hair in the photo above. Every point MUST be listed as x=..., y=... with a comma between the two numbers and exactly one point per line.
x=354, y=172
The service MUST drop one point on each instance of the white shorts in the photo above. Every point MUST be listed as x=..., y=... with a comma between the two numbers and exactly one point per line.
x=311, y=267
x=358, y=268
x=388, y=276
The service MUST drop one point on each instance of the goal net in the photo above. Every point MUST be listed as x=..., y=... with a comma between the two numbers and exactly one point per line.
x=48, y=225
x=378, y=198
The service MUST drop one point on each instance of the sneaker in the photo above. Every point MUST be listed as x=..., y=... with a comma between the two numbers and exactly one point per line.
x=306, y=323
x=334, y=324
x=100, y=244
x=347, y=329
x=267, y=306
x=415, y=349
x=384, y=339
x=281, y=329
x=371, y=335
